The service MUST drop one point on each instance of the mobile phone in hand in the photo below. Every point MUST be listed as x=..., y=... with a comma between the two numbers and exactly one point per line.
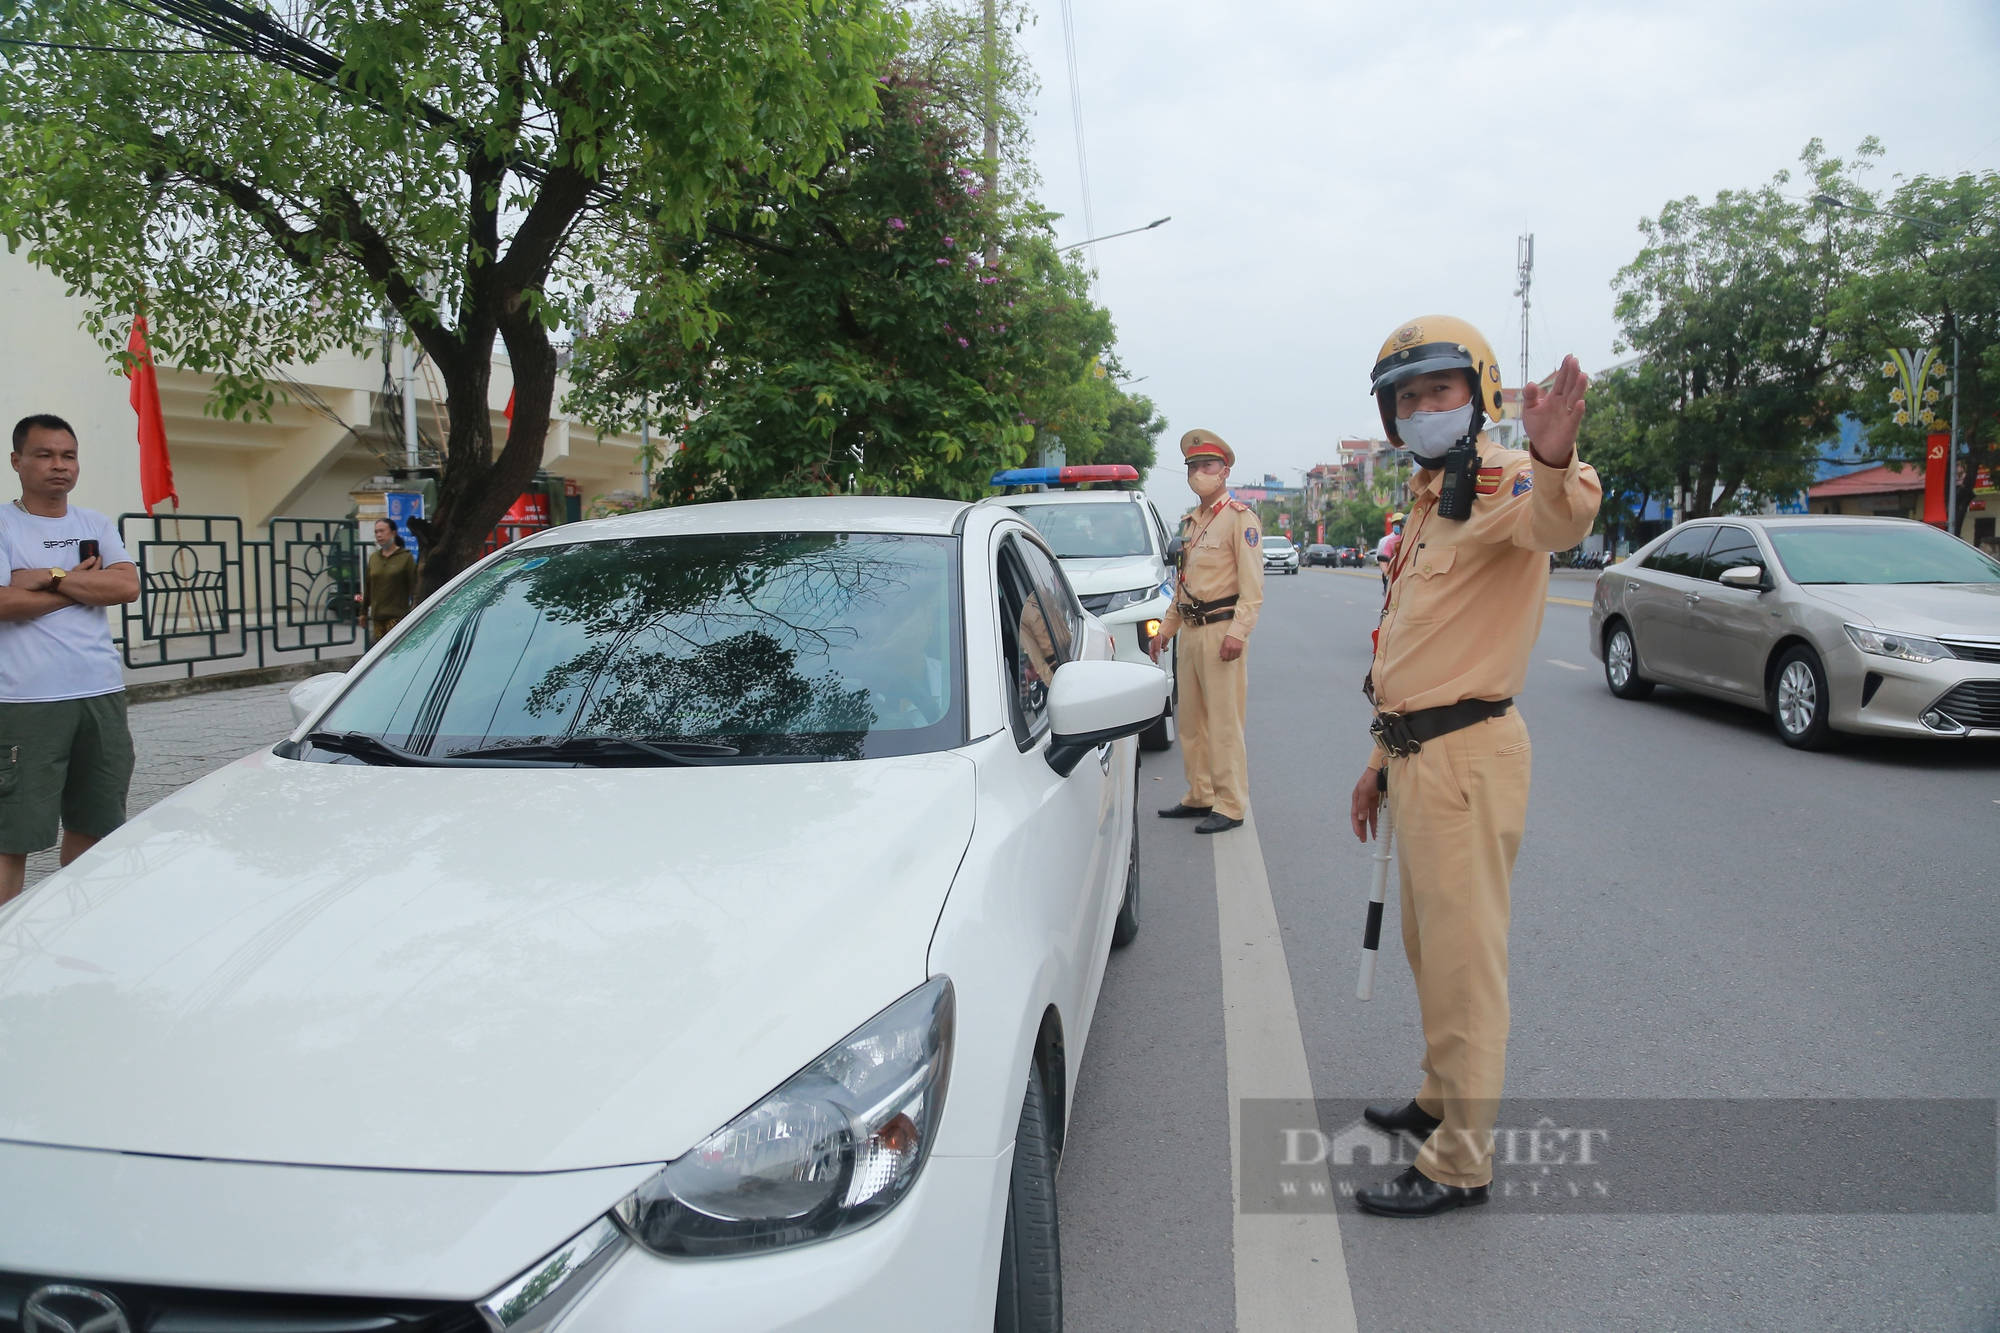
x=86, y=549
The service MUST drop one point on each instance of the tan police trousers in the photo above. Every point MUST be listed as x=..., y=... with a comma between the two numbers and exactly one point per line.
x=1460, y=804
x=1210, y=720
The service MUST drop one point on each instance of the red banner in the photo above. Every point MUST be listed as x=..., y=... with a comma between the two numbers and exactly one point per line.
x=1937, y=473
x=156, y=468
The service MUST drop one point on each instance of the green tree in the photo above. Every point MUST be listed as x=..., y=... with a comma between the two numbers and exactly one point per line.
x=1729, y=304
x=269, y=190
x=1933, y=273
x=1626, y=437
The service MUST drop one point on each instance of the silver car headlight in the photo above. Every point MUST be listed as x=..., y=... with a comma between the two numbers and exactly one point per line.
x=1903, y=647
x=838, y=1145
x=1131, y=597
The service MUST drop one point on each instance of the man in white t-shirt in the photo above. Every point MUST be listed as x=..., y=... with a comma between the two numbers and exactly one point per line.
x=65, y=750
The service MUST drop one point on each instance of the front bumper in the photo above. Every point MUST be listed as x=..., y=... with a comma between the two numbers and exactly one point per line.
x=1129, y=633
x=928, y=1265
x=1907, y=692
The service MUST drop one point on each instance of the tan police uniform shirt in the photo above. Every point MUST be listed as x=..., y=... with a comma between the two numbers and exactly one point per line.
x=1223, y=556
x=1466, y=598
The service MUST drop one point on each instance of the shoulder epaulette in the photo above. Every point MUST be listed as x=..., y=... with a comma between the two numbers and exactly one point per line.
x=1238, y=505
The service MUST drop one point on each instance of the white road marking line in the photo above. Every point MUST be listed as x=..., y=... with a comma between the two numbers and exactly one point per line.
x=1291, y=1271
x=1557, y=661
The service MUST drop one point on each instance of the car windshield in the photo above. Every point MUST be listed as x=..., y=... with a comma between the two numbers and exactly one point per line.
x=1884, y=553
x=1278, y=543
x=752, y=645
x=1083, y=531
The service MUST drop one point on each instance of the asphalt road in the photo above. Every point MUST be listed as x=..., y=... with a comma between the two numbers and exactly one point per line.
x=1699, y=912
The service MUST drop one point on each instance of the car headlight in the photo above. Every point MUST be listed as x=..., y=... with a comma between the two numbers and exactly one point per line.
x=1903, y=647
x=838, y=1145
x=1131, y=597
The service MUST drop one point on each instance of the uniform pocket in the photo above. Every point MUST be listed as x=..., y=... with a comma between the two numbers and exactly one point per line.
x=10, y=768
x=1428, y=586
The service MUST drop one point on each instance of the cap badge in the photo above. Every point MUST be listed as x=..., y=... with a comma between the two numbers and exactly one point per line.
x=1408, y=334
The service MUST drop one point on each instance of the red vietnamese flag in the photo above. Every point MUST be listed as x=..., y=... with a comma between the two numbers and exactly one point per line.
x=509, y=413
x=1937, y=474
x=156, y=469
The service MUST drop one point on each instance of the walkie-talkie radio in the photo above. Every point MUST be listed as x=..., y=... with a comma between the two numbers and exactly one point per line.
x=1461, y=479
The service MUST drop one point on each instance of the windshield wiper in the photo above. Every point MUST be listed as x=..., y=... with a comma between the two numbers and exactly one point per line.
x=374, y=750
x=590, y=749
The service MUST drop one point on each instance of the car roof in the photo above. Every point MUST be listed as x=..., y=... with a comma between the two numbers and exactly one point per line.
x=1064, y=498
x=815, y=513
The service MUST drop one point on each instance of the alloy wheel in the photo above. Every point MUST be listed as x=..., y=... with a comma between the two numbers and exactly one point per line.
x=1619, y=653
x=1798, y=698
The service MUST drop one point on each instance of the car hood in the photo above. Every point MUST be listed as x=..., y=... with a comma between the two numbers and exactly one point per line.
x=467, y=969
x=1917, y=608
x=1111, y=574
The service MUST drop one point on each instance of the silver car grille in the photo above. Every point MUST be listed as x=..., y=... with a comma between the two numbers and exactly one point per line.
x=1973, y=650
x=1975, y=704
x=149, y=1309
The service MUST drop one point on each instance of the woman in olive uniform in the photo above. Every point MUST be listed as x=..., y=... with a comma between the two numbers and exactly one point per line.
x=392, y=580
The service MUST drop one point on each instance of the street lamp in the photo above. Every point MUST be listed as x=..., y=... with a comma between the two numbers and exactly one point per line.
x=1065, y=249
x=1903, y=360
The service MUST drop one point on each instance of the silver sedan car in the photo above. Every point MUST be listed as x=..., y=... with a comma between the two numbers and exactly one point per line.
x=1829, y=624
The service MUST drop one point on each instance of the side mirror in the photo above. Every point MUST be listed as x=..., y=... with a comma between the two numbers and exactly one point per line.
x=310, y=695
x=1748, y=577
x=1094, y=702
x=1173, y=552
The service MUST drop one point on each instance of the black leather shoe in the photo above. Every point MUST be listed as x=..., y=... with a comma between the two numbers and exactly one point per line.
x=1178, y=811
x=1414, y=1194
x=1411, y=1119
x=1217, y=822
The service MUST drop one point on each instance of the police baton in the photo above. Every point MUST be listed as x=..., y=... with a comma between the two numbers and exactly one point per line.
x=1371, y=938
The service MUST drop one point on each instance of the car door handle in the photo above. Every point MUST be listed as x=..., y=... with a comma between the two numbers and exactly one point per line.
x=1693, y=597
x=1632, y=586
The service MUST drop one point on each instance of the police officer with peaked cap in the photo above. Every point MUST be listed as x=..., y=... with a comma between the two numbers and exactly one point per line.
x=1217, y=595
x=1467, y=588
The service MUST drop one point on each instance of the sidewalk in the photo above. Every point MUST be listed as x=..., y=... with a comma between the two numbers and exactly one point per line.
x=179, y=740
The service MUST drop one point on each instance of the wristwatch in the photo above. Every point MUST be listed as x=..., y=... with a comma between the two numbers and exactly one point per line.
x=58, y=574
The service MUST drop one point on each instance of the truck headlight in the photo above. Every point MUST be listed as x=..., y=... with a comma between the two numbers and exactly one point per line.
x=1903, y=647
x=838, y=1145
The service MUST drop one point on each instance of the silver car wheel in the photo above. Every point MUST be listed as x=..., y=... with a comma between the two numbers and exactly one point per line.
x=1798, y=698
x=1620, y=655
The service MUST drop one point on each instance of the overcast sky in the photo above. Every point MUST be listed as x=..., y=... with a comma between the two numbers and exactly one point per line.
x=1334, y=168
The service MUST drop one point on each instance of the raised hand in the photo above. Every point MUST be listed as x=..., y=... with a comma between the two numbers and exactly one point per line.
x=1553, y=416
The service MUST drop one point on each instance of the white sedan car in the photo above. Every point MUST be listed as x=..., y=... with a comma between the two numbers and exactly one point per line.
x=685, y=921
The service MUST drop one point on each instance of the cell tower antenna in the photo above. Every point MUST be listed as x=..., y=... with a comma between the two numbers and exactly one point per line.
x=1525, y=265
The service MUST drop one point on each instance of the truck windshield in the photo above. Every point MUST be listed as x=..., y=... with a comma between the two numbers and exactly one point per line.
x=1084, y=531
x=728, y=647
x=1885, y=553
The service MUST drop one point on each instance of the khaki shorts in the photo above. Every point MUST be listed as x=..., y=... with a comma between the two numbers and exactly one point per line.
x=66, y=764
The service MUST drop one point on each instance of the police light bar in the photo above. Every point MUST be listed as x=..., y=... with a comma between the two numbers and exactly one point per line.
x=1065, y=476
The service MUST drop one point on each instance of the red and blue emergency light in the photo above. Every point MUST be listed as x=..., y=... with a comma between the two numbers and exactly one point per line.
x=1065, y=476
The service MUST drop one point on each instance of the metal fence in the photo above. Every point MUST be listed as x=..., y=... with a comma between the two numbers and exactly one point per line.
x=208, y=595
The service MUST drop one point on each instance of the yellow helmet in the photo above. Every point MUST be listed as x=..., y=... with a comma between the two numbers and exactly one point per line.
x=1435, y=342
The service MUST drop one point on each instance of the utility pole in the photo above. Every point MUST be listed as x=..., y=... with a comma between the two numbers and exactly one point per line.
x=989, y=55
x=409, y=401
x=1524, y=264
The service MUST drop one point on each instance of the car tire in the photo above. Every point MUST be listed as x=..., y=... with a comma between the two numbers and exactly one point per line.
x=1621, y=664
x=1126, y=928
x=1800, y=701
x=1030, y=1295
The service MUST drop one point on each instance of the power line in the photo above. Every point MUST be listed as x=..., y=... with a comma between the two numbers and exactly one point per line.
x=1076, y=120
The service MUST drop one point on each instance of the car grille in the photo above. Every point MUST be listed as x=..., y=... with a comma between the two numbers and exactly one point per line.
x=1972, y=651
x=182, y=1310
x=1973, y=704
x=1098, y=602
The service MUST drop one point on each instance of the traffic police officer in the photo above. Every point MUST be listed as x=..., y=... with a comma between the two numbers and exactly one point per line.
x=1216, y=598
x=1466, y=593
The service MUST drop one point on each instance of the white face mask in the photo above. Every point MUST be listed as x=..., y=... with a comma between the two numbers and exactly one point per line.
x=1429, y=434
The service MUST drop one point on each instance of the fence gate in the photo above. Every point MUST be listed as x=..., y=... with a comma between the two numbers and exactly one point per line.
x=207, y=595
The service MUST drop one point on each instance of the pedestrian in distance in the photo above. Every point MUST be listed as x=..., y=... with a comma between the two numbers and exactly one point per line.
x=1386, y=552
x=1218, y=591
x=392, y=581
x=1466, y=593
x=65, y=748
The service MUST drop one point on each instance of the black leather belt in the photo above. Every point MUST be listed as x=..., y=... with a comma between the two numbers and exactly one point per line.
x=1207, y=613
x=1403, y=734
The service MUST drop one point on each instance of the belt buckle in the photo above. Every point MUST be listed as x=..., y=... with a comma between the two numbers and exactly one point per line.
x=1394, y=733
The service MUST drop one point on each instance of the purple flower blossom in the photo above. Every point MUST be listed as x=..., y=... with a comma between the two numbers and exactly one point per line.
x=948, y=242
x=944, y=261
x=963, y=343
x=988, y=279
x=897, y=224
